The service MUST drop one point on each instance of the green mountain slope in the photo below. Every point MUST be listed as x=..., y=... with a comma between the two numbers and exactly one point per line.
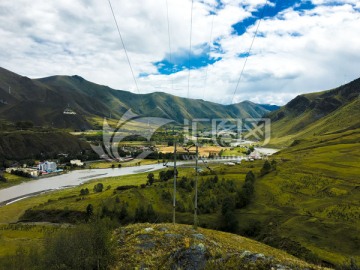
x=315, y=114
x=43, y=101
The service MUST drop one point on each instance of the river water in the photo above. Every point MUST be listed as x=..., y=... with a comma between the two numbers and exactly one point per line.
x=75, y=178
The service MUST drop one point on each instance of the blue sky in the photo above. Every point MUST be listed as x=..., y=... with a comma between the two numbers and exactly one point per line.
x=300, y=47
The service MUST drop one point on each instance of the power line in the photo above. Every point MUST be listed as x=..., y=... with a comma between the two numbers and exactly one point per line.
x=169, y=39
x=207, y=67
x=248, y=53
x=196, y=186
x=126, y=53
x=175, y=175
x=190, y=46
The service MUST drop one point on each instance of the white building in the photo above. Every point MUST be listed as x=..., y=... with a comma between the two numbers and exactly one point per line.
x=32, y=172
x=76, y=162
x=47, y=166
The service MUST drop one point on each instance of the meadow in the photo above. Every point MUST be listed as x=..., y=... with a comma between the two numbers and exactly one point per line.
x=308, y=205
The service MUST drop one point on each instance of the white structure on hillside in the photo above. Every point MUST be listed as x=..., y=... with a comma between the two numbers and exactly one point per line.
x=76, y=162
x=255, y=155
x=47, y=166
x=32, y=172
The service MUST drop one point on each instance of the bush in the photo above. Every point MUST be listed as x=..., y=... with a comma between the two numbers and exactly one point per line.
x=84, y=191
x=121, y=188
x=98, y=187
x=3, y=179
x=150, y=178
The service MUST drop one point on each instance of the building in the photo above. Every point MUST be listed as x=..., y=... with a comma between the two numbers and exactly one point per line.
x=255, y=155
x=30, y=171
x=47, y=166
x=76, y=162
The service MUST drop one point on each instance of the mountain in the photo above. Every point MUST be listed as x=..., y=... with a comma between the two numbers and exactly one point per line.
x=321, y=113
x=43, y=102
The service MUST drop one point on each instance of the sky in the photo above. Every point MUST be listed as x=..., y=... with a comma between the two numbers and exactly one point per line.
x=224, y=51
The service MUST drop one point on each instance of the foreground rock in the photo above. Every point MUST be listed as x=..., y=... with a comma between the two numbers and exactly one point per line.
x=165, y=246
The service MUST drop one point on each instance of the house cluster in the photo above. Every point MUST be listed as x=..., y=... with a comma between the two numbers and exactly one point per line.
x=41, y=168
x=76, y=162
x=30, y=171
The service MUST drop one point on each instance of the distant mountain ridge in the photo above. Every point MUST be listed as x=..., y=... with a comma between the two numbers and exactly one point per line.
x=332, y=111
x=43, y=101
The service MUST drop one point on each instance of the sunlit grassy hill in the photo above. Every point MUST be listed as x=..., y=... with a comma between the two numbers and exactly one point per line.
x=315, y=114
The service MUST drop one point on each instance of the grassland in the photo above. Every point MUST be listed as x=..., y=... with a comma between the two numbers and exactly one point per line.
x=309, y=204
x=171, y=239
x=131, y=163
x=12, y=180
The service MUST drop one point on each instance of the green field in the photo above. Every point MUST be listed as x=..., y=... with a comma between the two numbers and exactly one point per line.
x=309, y=206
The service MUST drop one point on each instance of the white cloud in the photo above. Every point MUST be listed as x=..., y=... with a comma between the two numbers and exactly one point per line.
x=296, y=52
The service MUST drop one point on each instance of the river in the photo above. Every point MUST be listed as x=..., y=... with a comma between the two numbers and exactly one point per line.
x=75, y=178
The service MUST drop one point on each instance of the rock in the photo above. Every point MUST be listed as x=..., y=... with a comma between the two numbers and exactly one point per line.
x=193, y=258
x=198, y=236
x=147, y=245
x=163, y=229
x=246, y=253
x=145, y=236
x=173, y=235
x=148, y=230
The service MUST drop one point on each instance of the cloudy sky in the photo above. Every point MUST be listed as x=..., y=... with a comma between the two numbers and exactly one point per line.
x=300, y=46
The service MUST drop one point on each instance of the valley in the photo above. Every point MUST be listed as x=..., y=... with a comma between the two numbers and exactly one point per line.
x=303, y=199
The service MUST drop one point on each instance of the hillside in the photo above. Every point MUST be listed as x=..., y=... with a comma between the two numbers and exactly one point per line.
x=309, y=115
x=21, y=145
x=137, y=246
x=168, y=246
x=43, y=102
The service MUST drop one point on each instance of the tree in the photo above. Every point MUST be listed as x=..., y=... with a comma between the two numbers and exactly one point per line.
x=162, y=176
x=84, y=191
x=140, y=214
x=89, y=210
x=150, y=178
x=266, y=168
x=227, y=205
x=230, y=222
x=250, y=177
x=150, y=213
x=98, y=187
x=2, y=178
x=123, y=212
x=273, y=164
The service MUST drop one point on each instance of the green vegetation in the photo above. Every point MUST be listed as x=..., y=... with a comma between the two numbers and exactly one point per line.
x=82, y=247
x=8, y=179
x=42, y=101
x=23, y=145
x=167, y=246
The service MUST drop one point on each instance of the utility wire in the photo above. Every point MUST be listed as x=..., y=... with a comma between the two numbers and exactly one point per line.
x=210, y=42
x=248, y=53
x=190, y=46
x=126, y=53
x=169, y=37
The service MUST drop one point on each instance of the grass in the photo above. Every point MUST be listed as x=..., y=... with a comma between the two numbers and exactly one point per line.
x=12, y=180
x=312, y=198
x=217, y=244
x=234, y=151
x=108, y=164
